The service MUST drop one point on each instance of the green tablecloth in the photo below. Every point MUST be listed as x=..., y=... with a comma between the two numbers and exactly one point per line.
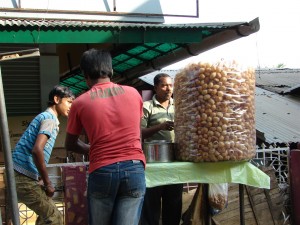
x=158, y=174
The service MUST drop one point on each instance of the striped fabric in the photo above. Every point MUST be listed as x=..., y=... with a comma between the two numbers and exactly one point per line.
x=44, y=123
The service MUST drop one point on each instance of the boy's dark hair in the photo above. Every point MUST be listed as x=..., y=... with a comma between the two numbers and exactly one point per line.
x=156, y=79
x=60, y=91
x=96, y=64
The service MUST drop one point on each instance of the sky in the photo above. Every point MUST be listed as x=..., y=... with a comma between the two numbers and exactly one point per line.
x=277, y=42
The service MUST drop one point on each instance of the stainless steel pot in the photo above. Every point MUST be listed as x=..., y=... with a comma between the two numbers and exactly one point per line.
x=159, y=151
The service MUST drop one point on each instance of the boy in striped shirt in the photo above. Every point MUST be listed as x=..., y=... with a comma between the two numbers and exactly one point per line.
x=32, y=154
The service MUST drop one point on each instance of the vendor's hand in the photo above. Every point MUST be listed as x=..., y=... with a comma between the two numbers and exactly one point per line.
x=168, y=125
x=49, y=189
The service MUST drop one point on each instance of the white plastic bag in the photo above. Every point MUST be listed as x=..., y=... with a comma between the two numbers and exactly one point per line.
x=218, y=196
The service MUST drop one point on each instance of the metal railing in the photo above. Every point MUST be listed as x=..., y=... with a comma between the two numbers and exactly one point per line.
x=277, y=158
x=28, y=217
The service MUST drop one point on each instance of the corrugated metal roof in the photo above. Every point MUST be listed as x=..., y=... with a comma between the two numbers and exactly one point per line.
x=278, y=80
x=149, y=77
x=91, y=24
x=277, y=117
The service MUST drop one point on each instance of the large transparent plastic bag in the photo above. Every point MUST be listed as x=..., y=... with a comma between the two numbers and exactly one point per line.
x=215, y=112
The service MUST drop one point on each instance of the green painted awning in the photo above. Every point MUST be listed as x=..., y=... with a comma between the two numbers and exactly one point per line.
x=136, y=48
x=58, y=31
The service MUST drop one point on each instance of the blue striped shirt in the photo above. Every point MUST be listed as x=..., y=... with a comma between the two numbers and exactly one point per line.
x=44, y=123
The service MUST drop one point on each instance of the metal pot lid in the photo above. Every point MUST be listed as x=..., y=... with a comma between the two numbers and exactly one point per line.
x=157, y=142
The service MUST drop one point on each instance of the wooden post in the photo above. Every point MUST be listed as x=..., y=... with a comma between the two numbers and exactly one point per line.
x=242, y=211
x=198, y=211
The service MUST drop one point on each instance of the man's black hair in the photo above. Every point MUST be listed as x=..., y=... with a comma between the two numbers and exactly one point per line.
x=96, y=64
x=156, y=79
x=60, y=91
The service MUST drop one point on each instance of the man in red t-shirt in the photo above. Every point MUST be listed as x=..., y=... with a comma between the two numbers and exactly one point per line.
x=110, y=114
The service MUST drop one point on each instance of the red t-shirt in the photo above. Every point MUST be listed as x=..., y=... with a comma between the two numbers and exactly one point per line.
x=110, y=114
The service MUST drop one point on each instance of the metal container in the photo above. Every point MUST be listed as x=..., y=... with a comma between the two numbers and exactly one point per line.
x=159, y=151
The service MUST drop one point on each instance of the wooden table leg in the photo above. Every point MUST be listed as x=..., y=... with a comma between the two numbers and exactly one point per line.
x=205, y=205
x=193, y=214
x=198, y=212
x=242, y=211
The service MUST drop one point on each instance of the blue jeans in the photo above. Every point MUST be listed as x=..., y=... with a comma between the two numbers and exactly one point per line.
x=116, y=193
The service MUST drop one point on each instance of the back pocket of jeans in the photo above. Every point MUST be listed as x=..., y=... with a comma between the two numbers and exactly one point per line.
x=100, y=184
